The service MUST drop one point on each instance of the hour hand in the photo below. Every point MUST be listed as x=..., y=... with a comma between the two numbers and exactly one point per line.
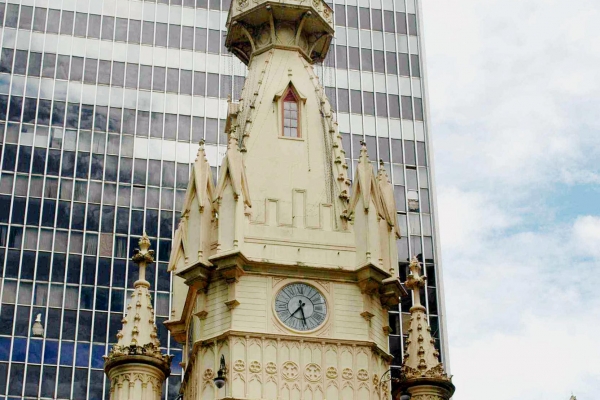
x=303, y=317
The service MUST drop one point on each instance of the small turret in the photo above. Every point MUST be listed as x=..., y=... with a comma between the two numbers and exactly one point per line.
x=423, y=375
x=135, y=365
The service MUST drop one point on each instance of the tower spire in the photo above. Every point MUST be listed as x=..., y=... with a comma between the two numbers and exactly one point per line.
x=423, y=374
x=136, y=358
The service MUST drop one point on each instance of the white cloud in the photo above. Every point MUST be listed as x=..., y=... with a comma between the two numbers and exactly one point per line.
x=514, y=94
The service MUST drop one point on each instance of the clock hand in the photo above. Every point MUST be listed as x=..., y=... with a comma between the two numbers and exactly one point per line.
x=292, y=314
x=303, y=317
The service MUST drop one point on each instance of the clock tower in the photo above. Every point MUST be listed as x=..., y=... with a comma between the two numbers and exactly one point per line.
x=285, y=268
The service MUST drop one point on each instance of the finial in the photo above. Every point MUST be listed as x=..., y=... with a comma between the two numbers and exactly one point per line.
x=415, y=281
x=381, y=163
x=37, y=329
x=142, y=257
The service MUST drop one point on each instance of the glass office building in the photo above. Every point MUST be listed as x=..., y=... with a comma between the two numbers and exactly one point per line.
x=102, y=104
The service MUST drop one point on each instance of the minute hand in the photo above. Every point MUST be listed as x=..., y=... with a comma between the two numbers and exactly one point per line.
x=292, y=314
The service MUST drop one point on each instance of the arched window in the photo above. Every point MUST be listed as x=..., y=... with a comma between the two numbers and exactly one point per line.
x=291, y=114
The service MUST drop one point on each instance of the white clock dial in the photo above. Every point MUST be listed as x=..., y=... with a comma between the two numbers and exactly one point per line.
x=300, y=307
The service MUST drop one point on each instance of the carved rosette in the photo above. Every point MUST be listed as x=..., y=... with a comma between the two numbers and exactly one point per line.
x=271, y=368
x=239, y=365
x=255, y=367
x=312, y=372
x=208, y=375
x=332, y=372
x=362, y=375
x=347, y=373
x=289, y=370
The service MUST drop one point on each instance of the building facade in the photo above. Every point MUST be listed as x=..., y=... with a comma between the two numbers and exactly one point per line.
x=102, y=104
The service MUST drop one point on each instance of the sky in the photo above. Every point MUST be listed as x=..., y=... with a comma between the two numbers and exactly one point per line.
x=514, y=101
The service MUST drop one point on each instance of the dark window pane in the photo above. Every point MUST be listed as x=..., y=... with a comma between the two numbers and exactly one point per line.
x=343, y=100
x=340, y=57
x=401, y=22
x=94, y=26
x=379, y=61
x=392, y=67
x=66, y=22
x=158, y=81
x=20, y=62
x=77, y=69
x=80, y=24
x=367, y=59
x=415, y=68
x=377, y=20
x=200, y=42
x=381, y=99
x=132, y=76
x=174, y=36
x=161, y=34
x=53, y=20
x=356, y=103
x=352, y=13
x=187, y=38
x=135, y=30
x=172, y=80
x=35, y=64
x=121, y=30
x=48, y=65
x=148, y=33
x=369, y=104
x=354, y=57
x=407, y=107
x=39, y=19
x=365, y=19
x=214, y=41
x=388, y=21
x=108, y=28
x=91, y=70
x=412, y=24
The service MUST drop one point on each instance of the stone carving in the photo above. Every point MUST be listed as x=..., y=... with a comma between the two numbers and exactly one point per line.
x=239, y=365
x=242, y=4
x=312, y=372
x=255, y=367
x=332, y=373
x=347, y=373
x=271, y=368
x=362, y=375
x=375, y=380
x=208, y=374
x=289, y=370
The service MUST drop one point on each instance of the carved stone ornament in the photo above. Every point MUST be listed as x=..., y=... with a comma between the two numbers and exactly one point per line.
x=375, y=379
x=271, y=368
x=332, y=373
x=208, y=374
x=362, y=375
x=312, y=373
x=347, y=373
x=242, y=4
x=255, y=367
x=239, y=365
x=289, y=370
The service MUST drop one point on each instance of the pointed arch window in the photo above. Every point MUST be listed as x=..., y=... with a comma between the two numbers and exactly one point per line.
x=291, y=114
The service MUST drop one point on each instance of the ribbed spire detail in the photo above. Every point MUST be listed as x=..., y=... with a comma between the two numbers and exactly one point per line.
x=421, y=358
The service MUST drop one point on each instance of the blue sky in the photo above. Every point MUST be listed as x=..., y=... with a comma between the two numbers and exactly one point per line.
x=514, y=92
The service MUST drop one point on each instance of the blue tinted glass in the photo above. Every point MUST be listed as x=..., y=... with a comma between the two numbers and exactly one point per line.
x=101, y=299
x=66, y=353
x=175, y=366
x=35, y=351
x=97, y=353
x=4, y=348
x=51, y=352
x=87, y=297
x=83, y=354
x=19, y=349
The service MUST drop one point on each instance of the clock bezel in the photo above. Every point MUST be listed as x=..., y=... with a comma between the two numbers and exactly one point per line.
x=278, y=288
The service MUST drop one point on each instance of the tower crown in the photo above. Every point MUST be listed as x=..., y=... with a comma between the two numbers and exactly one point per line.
x=256, y=26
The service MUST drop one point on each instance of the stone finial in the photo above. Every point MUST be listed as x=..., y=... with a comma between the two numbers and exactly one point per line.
x=139, y=336
x=37, y=330
x=421, y=358
x=142, y=257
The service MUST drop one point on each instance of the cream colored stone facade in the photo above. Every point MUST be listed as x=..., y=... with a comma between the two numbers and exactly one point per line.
x=284, y=211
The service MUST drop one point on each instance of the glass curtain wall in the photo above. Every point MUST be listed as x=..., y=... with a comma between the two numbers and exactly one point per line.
x=102, y=104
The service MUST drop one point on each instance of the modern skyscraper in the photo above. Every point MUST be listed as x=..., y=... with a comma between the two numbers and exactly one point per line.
x=102, y=104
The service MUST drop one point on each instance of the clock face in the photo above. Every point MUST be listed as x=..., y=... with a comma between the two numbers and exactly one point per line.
x=301, y=307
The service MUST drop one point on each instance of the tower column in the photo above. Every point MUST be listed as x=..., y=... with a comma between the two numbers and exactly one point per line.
x=135, y=365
